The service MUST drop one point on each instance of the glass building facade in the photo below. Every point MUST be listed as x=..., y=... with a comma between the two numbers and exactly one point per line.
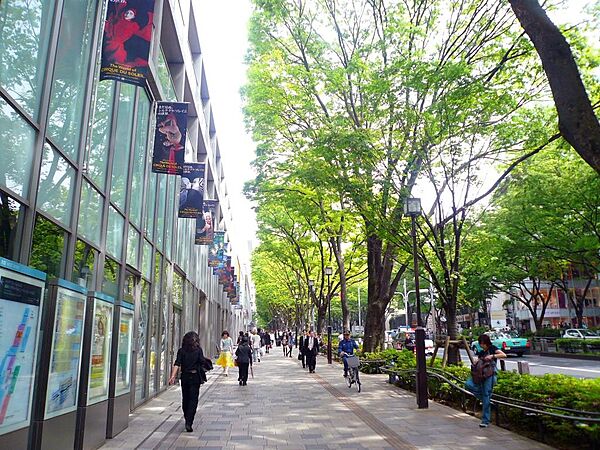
x=78, y=200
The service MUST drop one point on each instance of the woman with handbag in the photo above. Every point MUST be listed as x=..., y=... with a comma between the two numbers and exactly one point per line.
x=190, y=360
x=243, y=359
x=482, y=384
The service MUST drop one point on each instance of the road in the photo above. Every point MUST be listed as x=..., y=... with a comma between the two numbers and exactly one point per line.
x=540, y=365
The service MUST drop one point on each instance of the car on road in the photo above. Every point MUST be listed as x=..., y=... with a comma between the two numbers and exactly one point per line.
x=399, y=341
x=580, y=333
x=507, y=343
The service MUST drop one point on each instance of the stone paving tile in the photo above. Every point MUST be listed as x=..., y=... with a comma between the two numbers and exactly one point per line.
x=285, y=408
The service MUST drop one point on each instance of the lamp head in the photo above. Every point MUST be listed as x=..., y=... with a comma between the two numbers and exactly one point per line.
x=412, y=206
x=328, y=271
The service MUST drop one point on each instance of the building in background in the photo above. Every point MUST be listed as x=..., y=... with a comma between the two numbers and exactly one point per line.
x=78, y=199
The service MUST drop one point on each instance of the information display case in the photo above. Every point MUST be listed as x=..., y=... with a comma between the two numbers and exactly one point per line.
x=123, y=378
x=100, y=351
x=21, y=294
x=65, y=353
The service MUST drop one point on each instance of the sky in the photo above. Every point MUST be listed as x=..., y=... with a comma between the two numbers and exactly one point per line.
x=223, y=26
x=223, y=30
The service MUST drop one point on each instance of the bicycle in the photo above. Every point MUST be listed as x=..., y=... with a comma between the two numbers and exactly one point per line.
x=353, y=372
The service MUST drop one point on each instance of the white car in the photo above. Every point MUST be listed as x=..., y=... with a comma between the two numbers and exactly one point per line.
x=580, y=333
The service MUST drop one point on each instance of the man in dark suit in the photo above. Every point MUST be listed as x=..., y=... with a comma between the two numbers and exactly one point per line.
x=302, y=341
x=311, y=351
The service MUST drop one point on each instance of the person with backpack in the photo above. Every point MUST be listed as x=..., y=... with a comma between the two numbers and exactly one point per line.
x=483, y=376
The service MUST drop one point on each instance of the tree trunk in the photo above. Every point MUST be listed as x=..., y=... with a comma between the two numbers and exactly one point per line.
x=321, y=313
x=577, y=121
x=374, y=327
x=452, y=330
x=336, y=245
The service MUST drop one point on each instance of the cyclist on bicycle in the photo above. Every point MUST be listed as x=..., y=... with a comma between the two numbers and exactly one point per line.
x=346, y=348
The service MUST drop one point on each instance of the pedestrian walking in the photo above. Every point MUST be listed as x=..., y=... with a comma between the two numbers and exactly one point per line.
x=190, y=360
x=239, y=339
x=311, y=350
x=483, y=388
x=302, y=348
x=291, y=343
x=256, y=344
x=225, y=359
x=284, y=344
x=244, y=359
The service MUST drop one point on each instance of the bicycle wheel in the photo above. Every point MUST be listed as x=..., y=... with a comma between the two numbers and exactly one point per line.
x=358, y=385
x=349, y=380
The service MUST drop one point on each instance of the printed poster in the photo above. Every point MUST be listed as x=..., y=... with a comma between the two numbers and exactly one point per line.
x=20, y=299
x=126, y=41
x=205, y=224
x=216, y=249
x=63, y=377
x=100, y=351
x=191, y=192
x=169, y=138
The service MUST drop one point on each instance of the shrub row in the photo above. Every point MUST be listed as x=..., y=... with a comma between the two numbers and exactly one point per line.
x=550, y=389
x=576, y=345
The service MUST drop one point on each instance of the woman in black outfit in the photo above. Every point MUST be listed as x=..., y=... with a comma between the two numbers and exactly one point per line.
x=244, y=360
x=190, y=359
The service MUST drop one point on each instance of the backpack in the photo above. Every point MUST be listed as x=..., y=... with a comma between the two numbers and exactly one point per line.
x=482, y=370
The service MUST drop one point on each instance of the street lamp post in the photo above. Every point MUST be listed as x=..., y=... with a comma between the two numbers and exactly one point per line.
x=328, y=272
x=311, y=283
x=412, y=208
x=297, y=297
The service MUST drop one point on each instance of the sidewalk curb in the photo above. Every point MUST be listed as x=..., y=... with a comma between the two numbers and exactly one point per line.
x=570, y=356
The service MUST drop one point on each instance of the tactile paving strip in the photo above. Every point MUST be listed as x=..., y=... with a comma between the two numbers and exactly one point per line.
x=369, y=419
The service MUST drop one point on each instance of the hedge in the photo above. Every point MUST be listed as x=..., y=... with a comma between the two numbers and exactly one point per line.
x=550, y=389
x=571, y=345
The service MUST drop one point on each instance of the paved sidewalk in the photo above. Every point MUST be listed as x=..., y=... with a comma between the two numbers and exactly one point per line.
x=284, y=407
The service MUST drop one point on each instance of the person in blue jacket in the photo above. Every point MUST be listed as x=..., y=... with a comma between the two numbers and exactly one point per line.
x=346, y=348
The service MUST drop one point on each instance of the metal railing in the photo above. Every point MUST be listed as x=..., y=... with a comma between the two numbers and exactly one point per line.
x=582, y=420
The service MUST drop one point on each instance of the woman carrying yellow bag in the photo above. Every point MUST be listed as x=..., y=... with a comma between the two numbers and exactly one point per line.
x=225, y=359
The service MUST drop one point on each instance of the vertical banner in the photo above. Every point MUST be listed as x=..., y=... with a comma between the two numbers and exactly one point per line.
x=205, y=224
x=169, y=138
x=126, y=41
x=216, y=249
x=191, y=192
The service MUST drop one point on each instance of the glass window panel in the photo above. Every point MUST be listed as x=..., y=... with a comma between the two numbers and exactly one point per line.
x=100, y=127
x=164, y=77
x=122, y=145
x=24, y=37
x=84, y=267
x=177, y=292
x=55, y=191
x=18, y=141
x=155, y=323
x=110, y=282
x=139, y=158
x=150, y=202
x=160, y=213
x=114, y=233
x=90, y=212
x=147, y=260
x=48, y=247
x=133, y=245
x=142, y=334
x=11, y=219
x=170, y=216
x=67, y=100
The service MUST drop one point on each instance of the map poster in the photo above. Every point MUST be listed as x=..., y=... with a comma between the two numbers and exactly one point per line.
x=20, y=300
x=100, y=351
x=65, y=356
x=124, y=361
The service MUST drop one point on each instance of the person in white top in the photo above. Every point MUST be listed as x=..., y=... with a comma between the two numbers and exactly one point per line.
x=255, y=339
x=225, y=359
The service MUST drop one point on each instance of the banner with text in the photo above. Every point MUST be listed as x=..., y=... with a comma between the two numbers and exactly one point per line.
x=169, y=138
x=191, y=191
x=216, y=249
x=126, y=41
x=205, y=224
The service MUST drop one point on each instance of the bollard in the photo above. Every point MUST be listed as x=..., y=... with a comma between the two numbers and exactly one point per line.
x=502, y=365
x=544, y=344
x=523, y=367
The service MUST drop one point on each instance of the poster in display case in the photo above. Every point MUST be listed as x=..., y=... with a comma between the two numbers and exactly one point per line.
x=65, y=355
x=100, y=351
x=21, y=292
x=124, y=352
